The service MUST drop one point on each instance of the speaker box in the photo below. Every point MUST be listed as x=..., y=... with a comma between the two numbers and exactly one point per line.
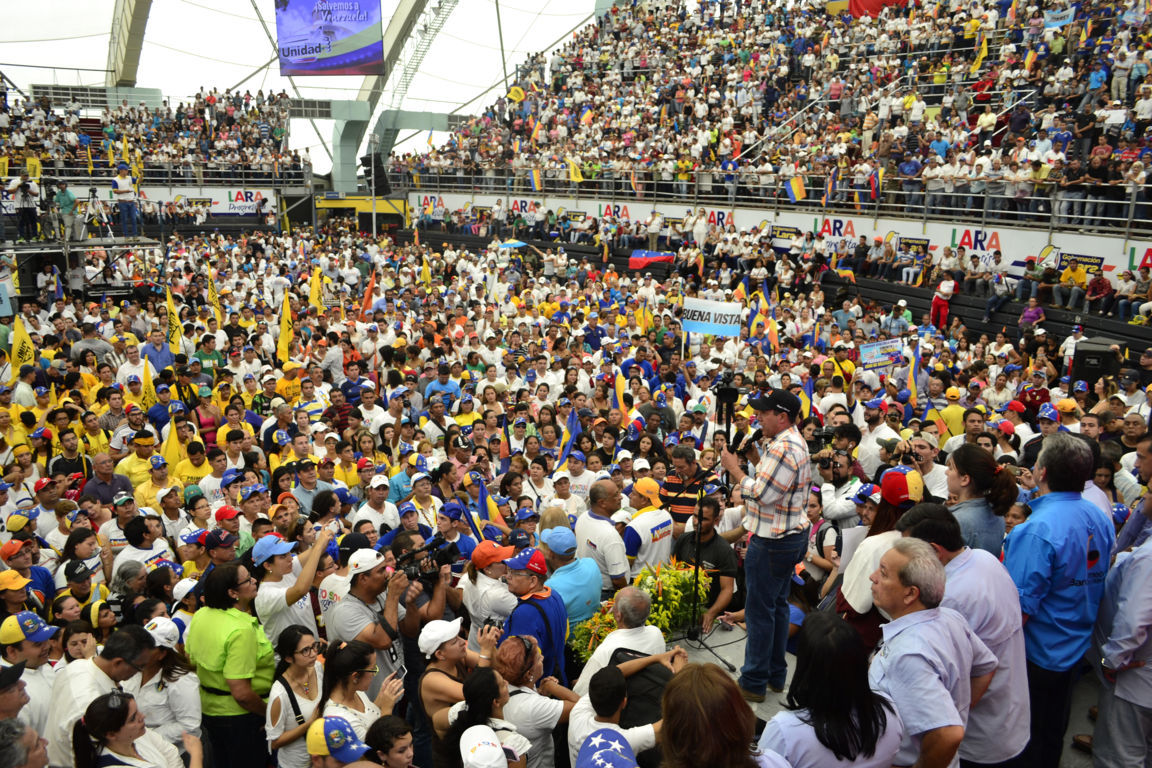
x=1094, y=358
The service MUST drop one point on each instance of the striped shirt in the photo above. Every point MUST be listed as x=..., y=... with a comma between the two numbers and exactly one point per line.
x=679, y=498
x=774, y=499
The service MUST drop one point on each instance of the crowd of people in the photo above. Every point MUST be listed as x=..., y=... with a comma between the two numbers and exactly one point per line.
x=213, y=138
x=961, y=110
x=353, y=499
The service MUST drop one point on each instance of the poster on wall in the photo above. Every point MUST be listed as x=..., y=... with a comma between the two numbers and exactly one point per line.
x=329, y=37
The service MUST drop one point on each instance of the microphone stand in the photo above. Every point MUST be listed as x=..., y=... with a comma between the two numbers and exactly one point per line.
x=694, y=632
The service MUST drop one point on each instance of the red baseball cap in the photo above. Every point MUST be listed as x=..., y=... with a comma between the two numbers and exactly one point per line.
x=226, y=513
x=43, y=483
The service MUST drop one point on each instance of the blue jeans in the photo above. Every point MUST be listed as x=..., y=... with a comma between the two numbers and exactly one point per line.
x=768, y=568
x=994, y=303
x=127, y=218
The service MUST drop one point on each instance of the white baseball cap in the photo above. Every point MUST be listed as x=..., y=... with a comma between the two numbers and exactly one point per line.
x=164, y=631
x=363, y=560
x=436, y=633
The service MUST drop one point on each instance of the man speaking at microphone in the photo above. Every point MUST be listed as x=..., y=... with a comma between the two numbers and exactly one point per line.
x=681, y=487
x=774, y=502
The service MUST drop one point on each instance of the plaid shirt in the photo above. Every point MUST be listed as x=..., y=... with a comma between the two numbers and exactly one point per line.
x=775, y=498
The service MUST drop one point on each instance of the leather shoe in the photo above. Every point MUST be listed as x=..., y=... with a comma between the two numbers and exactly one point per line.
x=1082, y=742
x=750, y=696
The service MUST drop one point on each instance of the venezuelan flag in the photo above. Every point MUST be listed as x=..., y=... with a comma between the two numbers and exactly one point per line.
x=773, y=331
x=912, y=375
x=536, y=131
x=536, y=180
x=741, y=291
x=795, y=189
x=586, y=116
x=829, y=187
x=619, y=387
x=571, y=430
x=488, y=510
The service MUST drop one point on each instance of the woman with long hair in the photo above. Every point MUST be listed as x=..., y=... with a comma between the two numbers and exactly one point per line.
x=167, y=689
x=348, y=672
x=984, y=494
x=294, y=696
x=83, y=544
x=113, y=732
x=705, y=721
x=485, y=695
x=100, y=619
x=833, y=715
x=77, y=641
x=283, y=598
x=536, y=704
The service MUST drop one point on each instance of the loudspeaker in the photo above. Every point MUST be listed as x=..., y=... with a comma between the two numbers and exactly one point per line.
x=1094, y=358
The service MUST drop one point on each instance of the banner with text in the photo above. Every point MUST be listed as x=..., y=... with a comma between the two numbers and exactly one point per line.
x=329, y=37
x=880, y=354
x=1054, y=19
x=715, y=318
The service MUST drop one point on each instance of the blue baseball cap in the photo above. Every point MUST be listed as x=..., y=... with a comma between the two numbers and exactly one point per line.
x=1080, y=386
x=530, y=559
x=25, y=625
x=875, y=403
x=407, y=508
x=161, y=388
x=578, y=455
x=526, y=513
x=195, y=536
x=230, y=476
x=452, y=511
x=867, y=492
x=251, y=491
x=269, y=546
x=40, y=391
x=334, y=736
x=1048, y=411
x=281, y=437
x=560, y=540
x=158, y=462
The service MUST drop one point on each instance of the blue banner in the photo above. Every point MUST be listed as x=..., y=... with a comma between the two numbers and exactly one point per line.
x=329, y=37
x=714, y=318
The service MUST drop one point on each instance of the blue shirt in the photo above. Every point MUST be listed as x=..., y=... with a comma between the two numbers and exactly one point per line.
x=940, y=147
x=1058, y=559
x=1122, y=630
x=550, y=628
x=980, y=526
x=980, y=589
x=399, y=487
x=578, y=584
x=449, y=392
x=593, y=336
x=924, y=665
x=160, y=357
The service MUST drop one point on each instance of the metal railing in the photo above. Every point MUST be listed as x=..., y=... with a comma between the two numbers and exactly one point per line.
x=1109, y=209
x=77, y=175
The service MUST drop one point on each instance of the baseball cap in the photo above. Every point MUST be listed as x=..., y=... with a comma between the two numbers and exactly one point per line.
x=605, y=748
x=19, y=519
x=1014, y=405
x=219, y=538
x=578, y=455
x=13, y=580
x=230, y=476
x=902, y=486
x=269, y=546
x=364, y=560
x=531, y=559
x=191, y=493
x=25, y=625
x=252, y=490
x=183, y=588
x=9, y=676
x=488, y=552
x=519, y=539
x=76, y=571
x=889, y=445
x=952, y=393
x=158, y=462
x=480, y=747
x=435, y=633
x=194, y=536
x=649, y=489
x=121, y=499
x=867, y=492
x=777, y=400
x=1047, y=411
x=10, y=548
x=1066, y=405
x=43, y=483
x=378, y=481
x=334, y=736
x=164, y=631
x=226, y=513
x=637, y=465
x=560, y=539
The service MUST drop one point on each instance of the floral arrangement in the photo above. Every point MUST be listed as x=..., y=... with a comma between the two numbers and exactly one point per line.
x=670, y=586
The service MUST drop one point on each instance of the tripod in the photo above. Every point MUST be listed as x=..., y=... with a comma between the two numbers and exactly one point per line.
x=726, y=398
x=94, y=211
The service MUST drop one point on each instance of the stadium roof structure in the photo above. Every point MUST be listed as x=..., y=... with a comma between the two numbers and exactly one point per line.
x=179, y=46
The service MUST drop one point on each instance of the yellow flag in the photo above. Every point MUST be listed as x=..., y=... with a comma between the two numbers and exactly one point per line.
x=148, y=396
x=574, y=174
x=983, y=53
x=426, y=273
x=287, y=329
x=171, y=449
x=214, y=300
x=124, y=151
x=34, y=168
x=315, y=296
x=516, y=94
x=23, y=353
x=174, y=330
x=3, y=166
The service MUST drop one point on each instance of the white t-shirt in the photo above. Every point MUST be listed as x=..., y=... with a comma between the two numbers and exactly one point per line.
x=582, y=722
x=534, y=717
x=276, y=614
x=149, y=557
x=647, y=639
x=360, y=721
x=295, y=754
x=390, y=517
x=597, y=538
x=332, y=590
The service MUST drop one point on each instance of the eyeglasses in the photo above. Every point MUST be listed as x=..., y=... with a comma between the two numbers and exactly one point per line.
x=311, y=650
x=371, y=670
x=245, y=582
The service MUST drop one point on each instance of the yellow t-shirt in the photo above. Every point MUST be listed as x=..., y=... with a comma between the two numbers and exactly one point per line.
x=189, y=474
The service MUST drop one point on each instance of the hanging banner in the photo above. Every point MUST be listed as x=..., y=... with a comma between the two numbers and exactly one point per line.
x=1053, y=19
x=714, y=318
x=329, y=37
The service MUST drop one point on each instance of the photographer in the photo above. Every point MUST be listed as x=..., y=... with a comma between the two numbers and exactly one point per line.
x=838, y=488
x=920, y=451
x=26, y=194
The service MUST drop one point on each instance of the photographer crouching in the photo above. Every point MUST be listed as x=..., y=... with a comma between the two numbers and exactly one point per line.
x=774, y=502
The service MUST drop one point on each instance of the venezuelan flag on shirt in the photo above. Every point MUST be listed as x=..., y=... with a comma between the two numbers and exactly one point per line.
x=535, y=180
x=795, y=189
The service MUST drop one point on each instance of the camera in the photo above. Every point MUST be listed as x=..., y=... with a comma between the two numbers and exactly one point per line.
x=911, y=459
x=490, y=622
x=821, y=439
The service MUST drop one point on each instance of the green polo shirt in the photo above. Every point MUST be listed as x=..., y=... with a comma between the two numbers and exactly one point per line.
x=228, y=645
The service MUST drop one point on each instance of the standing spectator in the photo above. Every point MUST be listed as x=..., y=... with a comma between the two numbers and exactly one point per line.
x=540, y=612
x=167, y=689
x=235, y=662
x=774, y=503
x=1058, y=559
x=933, y=666
x=979, y=589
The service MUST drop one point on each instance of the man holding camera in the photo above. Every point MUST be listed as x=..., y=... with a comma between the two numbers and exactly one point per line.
x=27, y=194
x=920, y=450
x=774, y=512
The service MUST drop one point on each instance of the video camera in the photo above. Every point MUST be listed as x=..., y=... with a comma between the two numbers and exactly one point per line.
x=821, y=439
x=435, y=549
